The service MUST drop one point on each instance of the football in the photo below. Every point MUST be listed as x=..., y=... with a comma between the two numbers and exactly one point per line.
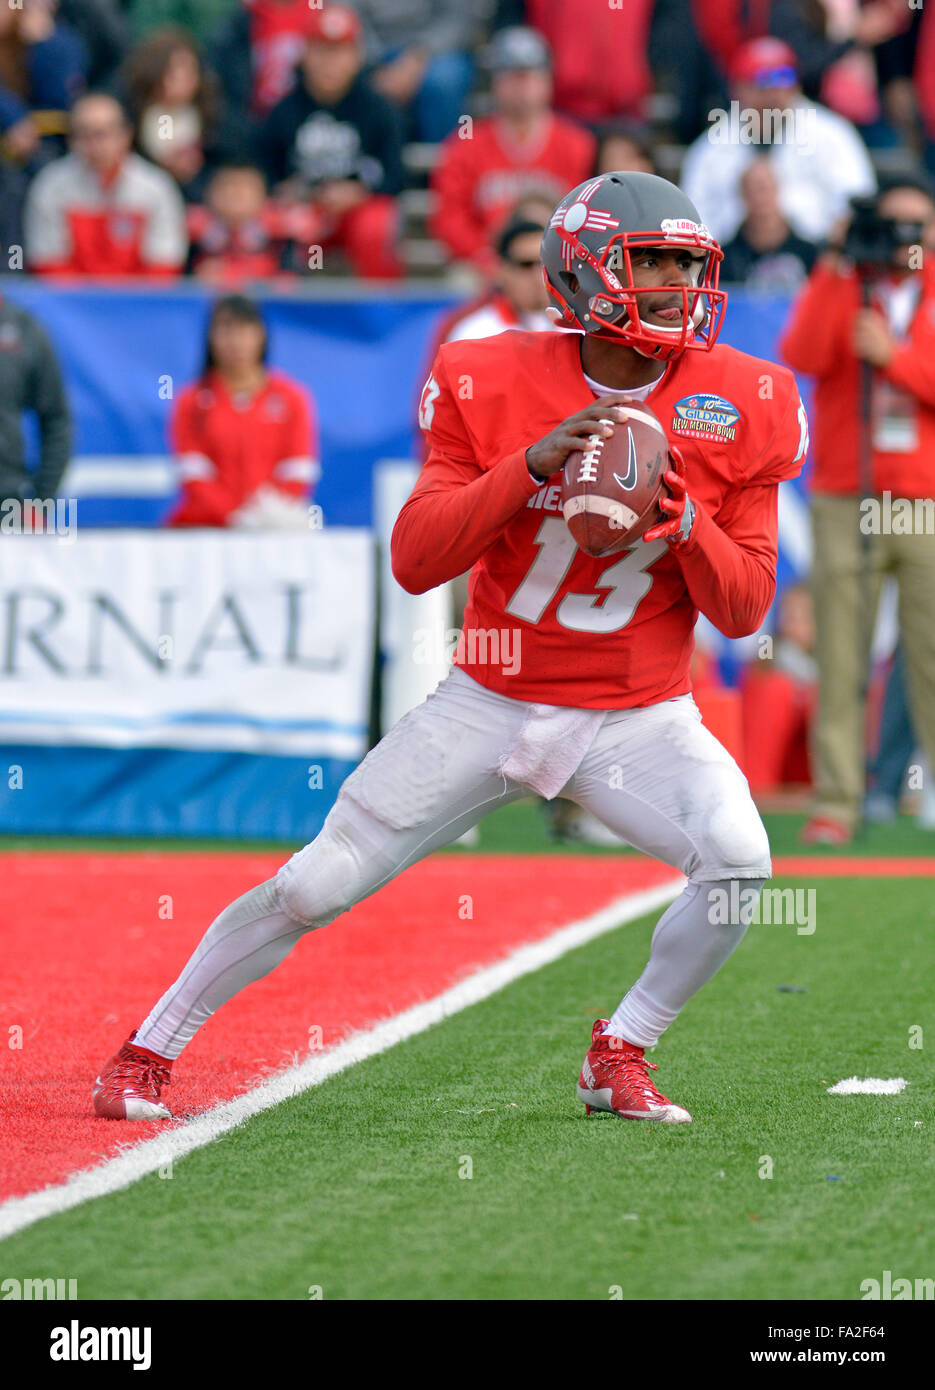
x=611, y=488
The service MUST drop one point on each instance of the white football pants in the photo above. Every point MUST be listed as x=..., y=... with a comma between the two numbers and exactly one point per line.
x=656, y=776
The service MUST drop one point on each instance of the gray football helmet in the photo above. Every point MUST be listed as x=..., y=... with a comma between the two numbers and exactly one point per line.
x=588, y=271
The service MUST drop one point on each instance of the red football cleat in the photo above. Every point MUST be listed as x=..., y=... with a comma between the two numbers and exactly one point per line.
x=826, y=830
x=615, y=1077
x=130, y=1086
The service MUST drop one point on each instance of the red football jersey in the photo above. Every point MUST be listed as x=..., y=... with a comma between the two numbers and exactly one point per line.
x=545, y=622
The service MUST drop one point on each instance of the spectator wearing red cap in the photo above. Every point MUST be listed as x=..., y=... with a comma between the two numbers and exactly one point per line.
x=818, y=158
x=336, y=142
x=524, y=147
x=244, y=436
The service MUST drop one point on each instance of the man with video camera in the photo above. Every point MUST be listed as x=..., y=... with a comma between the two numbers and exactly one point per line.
x=864, y=328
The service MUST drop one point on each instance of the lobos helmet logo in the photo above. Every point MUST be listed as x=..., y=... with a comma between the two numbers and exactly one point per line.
x=679, y=226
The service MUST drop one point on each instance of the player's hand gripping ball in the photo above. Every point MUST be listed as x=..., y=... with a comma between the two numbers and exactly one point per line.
x=613, y=487
x=673, y=504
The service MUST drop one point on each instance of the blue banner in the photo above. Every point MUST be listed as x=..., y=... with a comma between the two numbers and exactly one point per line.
x=364, y=360
x=121, y=351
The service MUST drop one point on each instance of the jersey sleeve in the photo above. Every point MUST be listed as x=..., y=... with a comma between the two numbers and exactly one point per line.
x=729, y=565
x=784, y=452
x=205, y=500
x=296, y=472
x=458, y=507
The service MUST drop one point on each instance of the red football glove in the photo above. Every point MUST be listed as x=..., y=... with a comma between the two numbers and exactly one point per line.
x=673, y=529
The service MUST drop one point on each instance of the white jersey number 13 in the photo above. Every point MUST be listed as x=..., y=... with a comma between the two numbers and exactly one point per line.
x=626, y=579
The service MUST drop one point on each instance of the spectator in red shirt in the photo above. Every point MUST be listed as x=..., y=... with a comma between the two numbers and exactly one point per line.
x=486, y=166
x=244, y=436
x=239, y=234
x=582, y=36
x=102, y=210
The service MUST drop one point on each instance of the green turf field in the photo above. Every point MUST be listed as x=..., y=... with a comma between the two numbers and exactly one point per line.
x=356, y=1188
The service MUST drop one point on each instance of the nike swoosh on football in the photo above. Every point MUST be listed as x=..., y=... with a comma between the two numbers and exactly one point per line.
x=629, y=482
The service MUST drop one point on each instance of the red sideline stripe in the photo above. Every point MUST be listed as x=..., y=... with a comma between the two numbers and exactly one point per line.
x=87, y=955
x=850, y=866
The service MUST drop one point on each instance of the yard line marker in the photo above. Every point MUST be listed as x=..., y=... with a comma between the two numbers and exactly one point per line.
x=151, y=1154
x=870, y=1086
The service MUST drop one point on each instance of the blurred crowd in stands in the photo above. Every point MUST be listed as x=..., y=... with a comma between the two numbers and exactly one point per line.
x=268, y=140
x=237, y=140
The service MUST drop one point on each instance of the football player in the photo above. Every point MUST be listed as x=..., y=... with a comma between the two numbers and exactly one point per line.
x=572, y=675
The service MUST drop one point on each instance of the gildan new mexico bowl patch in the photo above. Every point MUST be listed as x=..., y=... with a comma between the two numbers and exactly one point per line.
x=706, y=416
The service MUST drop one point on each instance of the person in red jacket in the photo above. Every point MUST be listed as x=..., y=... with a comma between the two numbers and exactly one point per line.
x=244, y=436
x=860, y=537
x=487, y=166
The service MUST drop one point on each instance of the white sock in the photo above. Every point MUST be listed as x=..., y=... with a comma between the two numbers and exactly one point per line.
x=639, y=1019
x=248, y=940
x=688, y=947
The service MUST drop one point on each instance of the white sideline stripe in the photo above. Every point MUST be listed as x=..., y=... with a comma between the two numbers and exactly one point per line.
x=146, y=1157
